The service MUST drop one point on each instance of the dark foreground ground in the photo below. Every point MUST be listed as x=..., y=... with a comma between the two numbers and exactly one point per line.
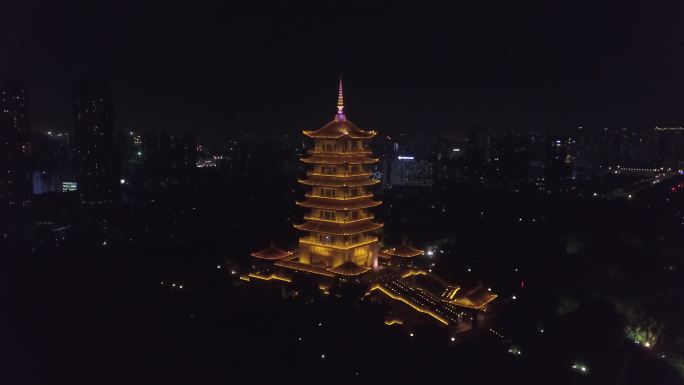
x=76, y=310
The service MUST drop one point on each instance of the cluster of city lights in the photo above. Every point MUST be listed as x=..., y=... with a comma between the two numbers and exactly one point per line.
x=514, y=350
x=173, y=285
x=580, y=367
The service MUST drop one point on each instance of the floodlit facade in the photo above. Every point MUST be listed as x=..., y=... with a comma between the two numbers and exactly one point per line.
x=340, y=240
x=341, y=234
x=407, y=171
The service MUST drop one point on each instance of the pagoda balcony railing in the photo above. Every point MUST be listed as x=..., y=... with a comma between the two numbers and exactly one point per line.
x=340, y=152
x=341, y=220
x=342, y=198
x=339, y=175
x=339, y=245
x=340, y=182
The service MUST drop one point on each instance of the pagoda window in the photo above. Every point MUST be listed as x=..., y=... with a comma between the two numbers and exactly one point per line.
x=329, y=170
x=354, y=170
x=329, y=147
x=325, y=239
x=354, y=192
x=355, y=214
x=327, y=215
x=328, y=192
x=355, y=238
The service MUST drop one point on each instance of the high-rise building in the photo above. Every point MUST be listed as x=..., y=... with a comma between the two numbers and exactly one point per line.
x=183, y=154
x=156, y=149
x=52, y=155
x=408, y=171
x=15, y=145
x=169, y=155
x=509, y=157
x=669, y=146
x=560, y=162
x=341, y=237
x=476, y=151
x=96, y=156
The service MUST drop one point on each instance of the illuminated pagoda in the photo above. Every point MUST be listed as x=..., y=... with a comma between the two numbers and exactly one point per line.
x=341, y=235
x=340, y=243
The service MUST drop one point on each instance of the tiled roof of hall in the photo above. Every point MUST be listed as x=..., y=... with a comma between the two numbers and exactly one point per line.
x=271, y=253
x=340, y=127
x=403, y=250
x=348, y=268
x=476, y=299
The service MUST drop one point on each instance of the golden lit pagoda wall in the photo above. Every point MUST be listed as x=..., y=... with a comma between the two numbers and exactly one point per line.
x=338, y=197
x=315, y=254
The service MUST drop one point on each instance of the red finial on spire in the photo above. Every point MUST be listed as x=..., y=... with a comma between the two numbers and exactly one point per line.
x=340, y=102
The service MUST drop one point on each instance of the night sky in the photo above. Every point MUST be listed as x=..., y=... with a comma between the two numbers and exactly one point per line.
x=222, y=68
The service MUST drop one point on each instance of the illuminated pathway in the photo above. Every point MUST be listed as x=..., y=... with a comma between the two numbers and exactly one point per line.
x=420, y=300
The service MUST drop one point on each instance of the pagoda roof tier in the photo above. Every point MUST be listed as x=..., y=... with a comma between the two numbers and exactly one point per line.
x=339, y=128
x=337, y=246
x=271, y=253
x=337, y=176
x=404, y=251
x=355, y=152
x=367, y=217
x=339, y=228
x=339, y=182
x=339, y=159
x=349, y=268
x=331, y=204
x=339, y=198
x=294, y=265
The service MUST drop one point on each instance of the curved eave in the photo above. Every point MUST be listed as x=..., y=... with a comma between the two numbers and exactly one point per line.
x=317, y=135
x=336, y=176
x=402, y=251
x=271, y=253
x=388, y=255
x=339, y=205
x=367, y=218
x=315, y=159
x=473, y=303
x=344, y=199
x=349, y=269
x=367, y=241
x=339, y=183
x=304, y=267
x=339, y=229
x=340, y=153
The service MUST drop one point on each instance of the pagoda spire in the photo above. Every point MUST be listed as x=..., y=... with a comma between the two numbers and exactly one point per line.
x=340, y=103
